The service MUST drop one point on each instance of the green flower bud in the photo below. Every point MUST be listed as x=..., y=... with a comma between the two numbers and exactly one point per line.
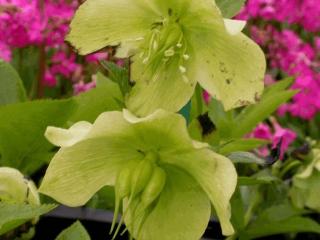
x=122, y=189
x=141, y=174
x=15, y=188
x=154, y=187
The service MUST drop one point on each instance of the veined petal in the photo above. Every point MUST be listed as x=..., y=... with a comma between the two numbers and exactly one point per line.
x=230, y=67
x=94, y=161
x=160, y=130
x=214, y=173
x=181, y=204
x=68, y=137
x=162, y=86
x=99, y=23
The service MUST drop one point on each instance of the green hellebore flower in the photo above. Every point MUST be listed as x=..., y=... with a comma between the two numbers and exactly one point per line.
x=173, y=45
x=306, y=184
x=15, y=188
x=165, y=179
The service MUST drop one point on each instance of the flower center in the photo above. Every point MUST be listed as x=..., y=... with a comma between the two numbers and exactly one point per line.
x=166, y=45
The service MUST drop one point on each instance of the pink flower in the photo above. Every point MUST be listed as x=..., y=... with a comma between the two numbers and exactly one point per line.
x=83, y=87
x=277, y=134
x=96, y=57
x=49, y=79
x=5, y=52
x=285, y=135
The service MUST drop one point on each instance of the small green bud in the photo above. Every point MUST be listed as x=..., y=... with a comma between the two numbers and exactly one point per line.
x=141, y=176
x=122, y=189
x=14, y=187
x=154, y=187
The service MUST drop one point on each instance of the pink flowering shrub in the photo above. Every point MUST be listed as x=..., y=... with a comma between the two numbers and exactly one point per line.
x=287, y=31
x=288, y=52
x=44, y=24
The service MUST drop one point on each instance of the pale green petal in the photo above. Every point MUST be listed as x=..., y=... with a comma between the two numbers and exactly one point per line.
x=99, y=23
x=306, y=190
x=314, y=164
x=230, y=67
x=198, y=145
x=181, y=213
x=76, y=173
x=234, y=27
x=160, y=131
x=161, y=86
x=214, y=173
x=317, y=165
x=128, y=48
x=82, y=169
x=306, y=172
x=12, y=186
x=15, y=188
x=68, y=137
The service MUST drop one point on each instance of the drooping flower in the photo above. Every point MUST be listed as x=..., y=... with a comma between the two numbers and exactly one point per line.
x=165, y=179
x=173, y=45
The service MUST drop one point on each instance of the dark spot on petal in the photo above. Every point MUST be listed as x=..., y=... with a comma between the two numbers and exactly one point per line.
x=228, y=81
x=257, y=97
x=222, y=67
x=132, y=83
x=170, y=12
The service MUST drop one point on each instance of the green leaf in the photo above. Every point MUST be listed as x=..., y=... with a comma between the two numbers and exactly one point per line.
x=238, y=211
x=291, y=225
x=230, y=8
x=271, y=214
x=255, y=180
x=119, y=75
x=75, y=232
x=241, y=145
x=22, y=128
x=245, y=157
x=254, y=114
x=278, y=86
x=198, y=105
x=11, y=86
x=13, y=215
x=224, y=121
x=174, y=216
x=91, y=104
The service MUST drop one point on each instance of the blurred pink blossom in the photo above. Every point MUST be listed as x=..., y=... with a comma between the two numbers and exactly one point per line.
x=83, y=87
x=274, y=134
